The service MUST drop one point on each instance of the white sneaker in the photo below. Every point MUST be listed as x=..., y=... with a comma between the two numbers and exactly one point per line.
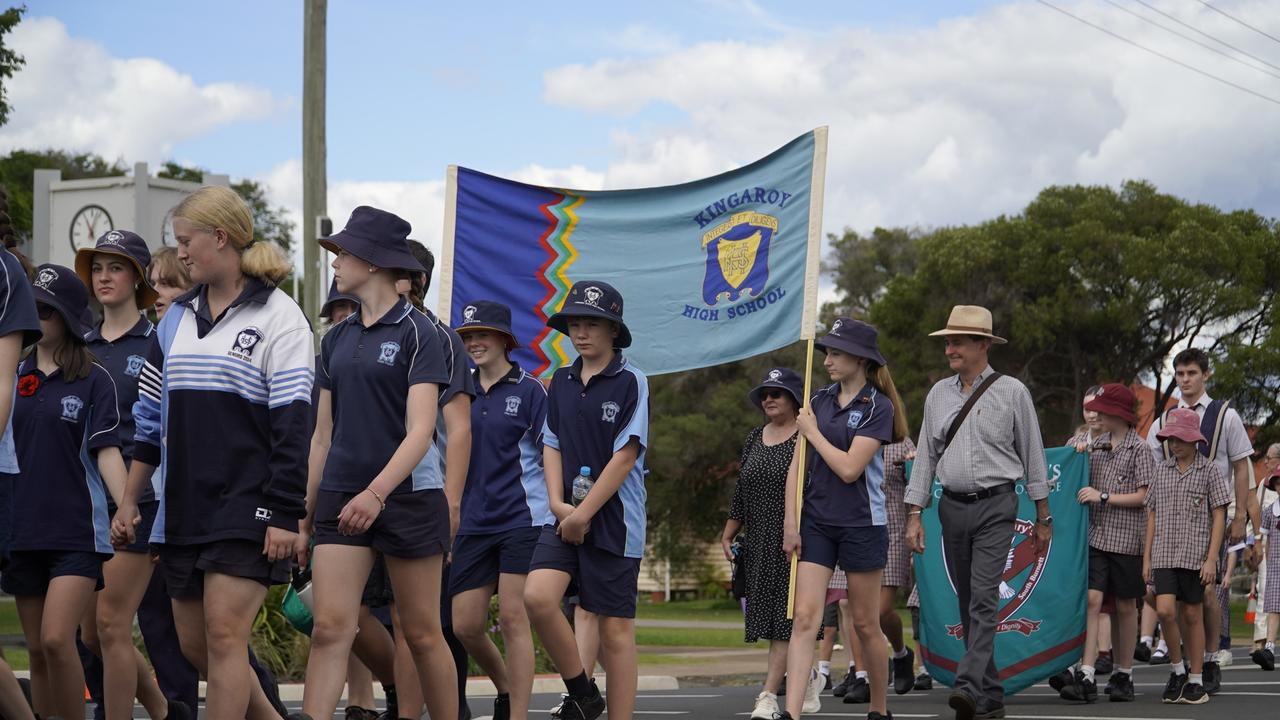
x=811, y=702
x=766, y=706
x=1224, y=658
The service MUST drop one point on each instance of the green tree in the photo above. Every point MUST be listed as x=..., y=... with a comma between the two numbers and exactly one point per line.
x=10, y=61
x=17, y=173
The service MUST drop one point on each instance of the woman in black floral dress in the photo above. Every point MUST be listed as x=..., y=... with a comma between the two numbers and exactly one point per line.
x=758, y=506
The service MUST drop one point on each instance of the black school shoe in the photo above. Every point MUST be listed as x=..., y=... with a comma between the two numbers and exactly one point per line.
x=355, y=712
x=1120, y=687
x=1193, y=694
x=1264, y=659
x=990, y=712
x=924, y=681
x=1212, y=677
x=1081, y=689
x=873, y=715
x=782, y=715
x=843, y=687
x=859, y=692
x=903, y=671
x=966, y=708
x=502, y=707
x=1142, y=652
x=1062, y=679
x=582, y=707
x=1104, y=664
x=1173, y=688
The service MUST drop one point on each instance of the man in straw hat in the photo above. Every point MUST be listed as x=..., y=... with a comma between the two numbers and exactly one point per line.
x=979, y=436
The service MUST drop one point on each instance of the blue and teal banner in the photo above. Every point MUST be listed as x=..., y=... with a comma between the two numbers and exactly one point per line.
x=1041, y=619
x=711, y=271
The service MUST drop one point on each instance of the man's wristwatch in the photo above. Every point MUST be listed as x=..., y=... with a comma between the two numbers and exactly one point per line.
x=1047, y=521
x=1104, y=497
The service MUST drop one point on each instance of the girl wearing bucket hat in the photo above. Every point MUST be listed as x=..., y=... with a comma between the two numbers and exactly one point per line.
x=593, y=453
x=113, y=270
x=844, y=518
x=380, y=375
x=68, y=451
x=503, y=508
x=757, y=508
x=232, y=370
x=1265, y=656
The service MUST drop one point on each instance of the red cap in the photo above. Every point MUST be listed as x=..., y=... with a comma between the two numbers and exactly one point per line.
x=1115, y=400
x=1181, y=423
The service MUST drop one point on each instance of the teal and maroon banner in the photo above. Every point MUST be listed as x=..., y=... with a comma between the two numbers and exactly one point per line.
x=1042, y=597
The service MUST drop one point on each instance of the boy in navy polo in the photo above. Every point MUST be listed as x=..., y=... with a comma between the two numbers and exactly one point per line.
x=504, y=506
x=597, y=420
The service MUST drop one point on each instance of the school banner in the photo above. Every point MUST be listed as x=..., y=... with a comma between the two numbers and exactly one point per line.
x=711, y=271
x=1042, y=597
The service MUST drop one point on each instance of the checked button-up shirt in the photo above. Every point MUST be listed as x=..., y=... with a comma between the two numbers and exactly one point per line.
x=1183, y=504
x=1127, y=466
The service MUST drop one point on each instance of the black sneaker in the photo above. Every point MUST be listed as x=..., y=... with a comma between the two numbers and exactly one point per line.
x=903, y=668
x=1159, y=657
x=1062, y=679
x=1212, y=678
x=1081, y=689
x=924, y=681
x=782, y=715
x=502, y=707
x=1142, y=652
x=1264, y=659
x=1193, y=694
x=843, y=686
x=355, y=712
x=1120, y=687
x=582, y=707
x=826, y=681
x=1173, y=688
x=859, y=692
x=1104, y=664
x=873, y=715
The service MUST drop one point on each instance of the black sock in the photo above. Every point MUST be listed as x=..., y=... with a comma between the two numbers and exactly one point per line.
x=390, y=692
x=580, y=686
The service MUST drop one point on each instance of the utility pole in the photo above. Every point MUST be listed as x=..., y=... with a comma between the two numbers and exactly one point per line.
x=314, y=179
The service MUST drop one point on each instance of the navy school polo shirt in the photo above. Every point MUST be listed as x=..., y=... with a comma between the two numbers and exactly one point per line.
x=506, y=488
x=429, y=474
x=124, y=358
x=828, y=499
x=588, y=425
x=59, y=499
x=368, y=372
x=17, y=314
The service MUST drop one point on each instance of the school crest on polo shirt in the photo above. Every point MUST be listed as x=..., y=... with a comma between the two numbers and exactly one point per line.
x=855, y=417
x=133, y=365
x=1022, y=562
x=246, y=340
x=71, y=407
x=387, y=352
x=513, y=405
x=609, y=411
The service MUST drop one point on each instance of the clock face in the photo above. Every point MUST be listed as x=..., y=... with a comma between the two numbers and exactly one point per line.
x=89, y=224
x=166, y=229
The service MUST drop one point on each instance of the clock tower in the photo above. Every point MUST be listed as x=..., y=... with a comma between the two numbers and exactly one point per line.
x=73, y=214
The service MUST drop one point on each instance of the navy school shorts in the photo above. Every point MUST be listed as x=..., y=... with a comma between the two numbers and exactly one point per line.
x=477, y=560
x=1181, y=583
x=414, y=524
x=28, y=572
x=854, y=549
x=607, y=584
x=183, y=566
x=1116, y=574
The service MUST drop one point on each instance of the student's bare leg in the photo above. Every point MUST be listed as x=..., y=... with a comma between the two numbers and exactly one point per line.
x=1273, y=624
x=851, y=640
x=359, y=683
x=864, y=607
x=777, y=665
x=1191, y=625
x=1092, y=629
x=517, y=638
x=1212, y=619
x=618, y=641
x=811, y=591
x=890, y=620
x=31, y=615
x=375, y=648
x=408, y=690
x=336, y=616
x=418, y=580
x=586, y=632
x=1104, y=631
x=125, y=673
x=1125, y=625
x=230, y=605
x=13, y=704
x=542, y=593
x=1167, y=610
x=470, y=621
x=66, y=601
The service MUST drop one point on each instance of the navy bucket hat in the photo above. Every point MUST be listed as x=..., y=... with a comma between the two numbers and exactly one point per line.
x=60, y=288
x=782, y=378
x=334, y=296
x=377, y=237
x=487, y=315
x=853, y=337
x=128, y=245
x=592, y=298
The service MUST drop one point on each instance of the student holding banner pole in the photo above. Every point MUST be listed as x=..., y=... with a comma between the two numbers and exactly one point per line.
x=844, y=518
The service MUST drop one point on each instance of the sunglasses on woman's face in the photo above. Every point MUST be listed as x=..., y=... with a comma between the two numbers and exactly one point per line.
x=46, y=311
x=772, y=394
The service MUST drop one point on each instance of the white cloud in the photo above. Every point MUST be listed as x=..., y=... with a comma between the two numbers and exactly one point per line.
x=73, y=95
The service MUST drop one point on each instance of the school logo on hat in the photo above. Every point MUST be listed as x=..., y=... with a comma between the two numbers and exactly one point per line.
x=246, y=340
x=835, y=326
x=468, y=313
x=112, y=238
x=775, y=374
x=387, y=352
x=45, y=278
x=513, y=405
x=591, y=296
x=609, y=411
x=71, y=406
x=133, y=365
x=1021, y=558
x=737, y=259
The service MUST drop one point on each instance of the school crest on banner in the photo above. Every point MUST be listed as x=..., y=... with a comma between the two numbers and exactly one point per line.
x=1040, y=621
x=737, y=257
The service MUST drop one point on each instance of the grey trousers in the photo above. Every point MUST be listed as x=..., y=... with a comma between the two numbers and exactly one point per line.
x=975, y=542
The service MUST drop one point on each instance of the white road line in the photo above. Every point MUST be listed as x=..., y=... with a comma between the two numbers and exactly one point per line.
x=1081, y=717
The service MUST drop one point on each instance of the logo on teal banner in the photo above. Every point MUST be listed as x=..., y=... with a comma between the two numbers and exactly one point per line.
x=737, y=256
x=1040, y=621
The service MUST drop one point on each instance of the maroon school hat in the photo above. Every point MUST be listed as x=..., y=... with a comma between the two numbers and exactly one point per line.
x=1115, y=400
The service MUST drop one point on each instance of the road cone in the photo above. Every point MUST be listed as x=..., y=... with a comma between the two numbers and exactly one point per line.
x=1251, y=609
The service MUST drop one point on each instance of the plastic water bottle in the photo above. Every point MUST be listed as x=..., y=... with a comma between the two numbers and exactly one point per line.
x=582, y=485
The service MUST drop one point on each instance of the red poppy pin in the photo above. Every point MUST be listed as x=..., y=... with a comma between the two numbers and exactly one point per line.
x=28, y=385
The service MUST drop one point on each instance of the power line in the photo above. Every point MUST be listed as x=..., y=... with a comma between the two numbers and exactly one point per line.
x=1161, y=55
x=1226, y=15
x=1201, y=32
x=1188, y=38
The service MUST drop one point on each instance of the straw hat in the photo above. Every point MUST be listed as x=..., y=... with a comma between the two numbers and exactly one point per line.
x=969, y=320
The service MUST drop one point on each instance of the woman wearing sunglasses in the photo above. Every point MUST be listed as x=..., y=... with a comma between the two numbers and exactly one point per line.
x=758, y=504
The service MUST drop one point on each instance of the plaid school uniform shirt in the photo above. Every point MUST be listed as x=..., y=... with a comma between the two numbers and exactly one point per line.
x=1183, y=503
x=1127, y=466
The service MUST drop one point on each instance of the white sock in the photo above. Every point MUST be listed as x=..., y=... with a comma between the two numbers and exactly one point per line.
x=1126, y=671
x=1147, y=639
x=1163, y=646
x=861, y=675
x=901, y=653
x=1210, y=656
x=1271, y=646
x=852, y=666
x=824, y=667
x=1179, y=668
x=1195, y=678
x=1087, y=671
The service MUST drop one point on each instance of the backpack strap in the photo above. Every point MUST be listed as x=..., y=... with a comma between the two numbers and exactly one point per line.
x=964, y=411
x=1211, y=427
